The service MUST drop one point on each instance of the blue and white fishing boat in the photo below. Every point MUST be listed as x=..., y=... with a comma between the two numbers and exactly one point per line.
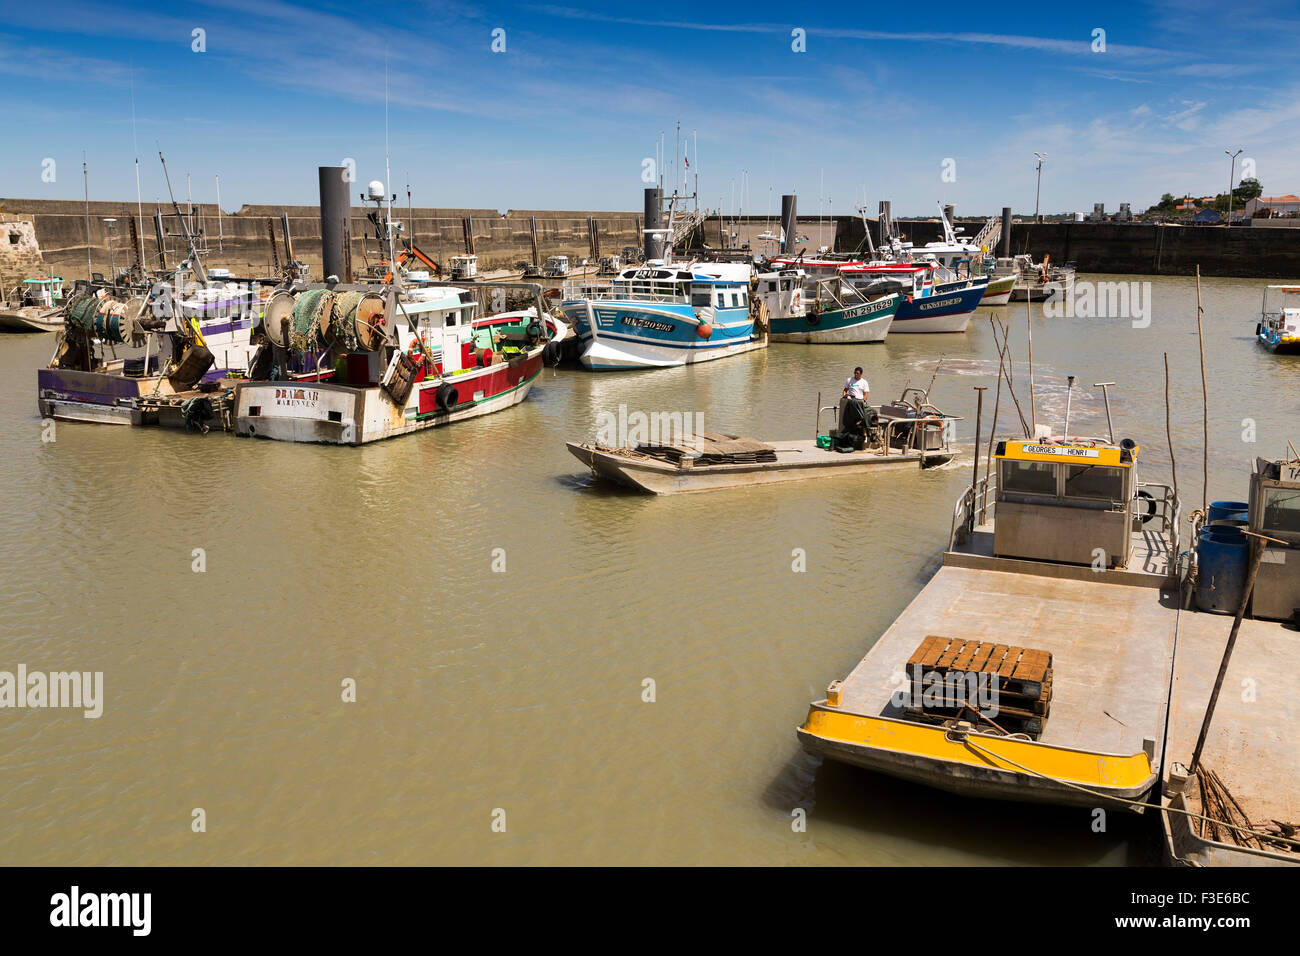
x=926, y=307
x=1279, y=319
x=663, y=314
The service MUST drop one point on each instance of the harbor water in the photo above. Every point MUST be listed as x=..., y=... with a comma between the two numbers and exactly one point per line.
x=547, y=669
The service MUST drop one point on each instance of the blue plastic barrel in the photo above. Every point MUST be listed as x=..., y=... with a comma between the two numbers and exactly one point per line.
x=1234, y=511
x=1221, y=568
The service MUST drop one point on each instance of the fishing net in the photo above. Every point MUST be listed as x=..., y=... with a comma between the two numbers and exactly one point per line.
x=307, y=312
x=342, y=330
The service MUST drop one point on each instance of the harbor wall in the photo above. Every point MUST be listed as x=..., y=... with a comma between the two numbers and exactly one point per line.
x=500, y=240
x=1121, y=248
x=240, y=241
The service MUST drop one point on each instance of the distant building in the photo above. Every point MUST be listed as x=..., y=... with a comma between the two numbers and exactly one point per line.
x=1124, y=214
x=1278, y=205
x=1098, y=212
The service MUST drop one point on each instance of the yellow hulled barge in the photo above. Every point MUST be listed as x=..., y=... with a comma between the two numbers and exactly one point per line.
x=1036, y=664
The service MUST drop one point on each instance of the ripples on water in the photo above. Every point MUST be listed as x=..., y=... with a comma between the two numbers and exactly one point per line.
x=522, y=690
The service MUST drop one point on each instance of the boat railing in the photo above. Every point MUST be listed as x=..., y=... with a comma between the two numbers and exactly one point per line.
x=650, y=290
x=1167, y=511
x=972, y=510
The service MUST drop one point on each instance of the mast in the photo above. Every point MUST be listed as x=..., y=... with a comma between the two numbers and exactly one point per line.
x=139, y=202
x=85, y=179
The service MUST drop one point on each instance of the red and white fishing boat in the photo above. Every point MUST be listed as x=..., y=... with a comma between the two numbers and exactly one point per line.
x=394, y=363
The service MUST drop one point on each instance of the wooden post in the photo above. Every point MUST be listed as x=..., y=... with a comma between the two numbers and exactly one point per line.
x=1257, y=553
x=532, y=229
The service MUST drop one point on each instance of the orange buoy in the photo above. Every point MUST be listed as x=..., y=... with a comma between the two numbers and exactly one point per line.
x=704, y=330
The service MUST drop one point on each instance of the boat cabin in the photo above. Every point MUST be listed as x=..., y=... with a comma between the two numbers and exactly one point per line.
x=1275, y=512
x=464, y=267
x=783, y=292
x=556, y=266
x=1066, y=501
x=42, y=291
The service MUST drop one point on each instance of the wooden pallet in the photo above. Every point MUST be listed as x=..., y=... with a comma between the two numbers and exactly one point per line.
x=1021, y=678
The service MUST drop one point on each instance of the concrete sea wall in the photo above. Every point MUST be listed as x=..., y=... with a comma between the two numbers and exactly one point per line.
x=239, y=241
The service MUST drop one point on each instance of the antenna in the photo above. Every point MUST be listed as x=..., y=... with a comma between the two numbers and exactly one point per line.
x=195, y=262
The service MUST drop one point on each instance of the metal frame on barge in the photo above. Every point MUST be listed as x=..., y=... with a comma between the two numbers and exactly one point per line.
x=1103, y=626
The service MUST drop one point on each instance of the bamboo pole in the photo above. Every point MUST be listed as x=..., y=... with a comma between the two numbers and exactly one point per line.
x=1205, y=402
x=997, y=403
x=1257, y=553
x=1029, y=324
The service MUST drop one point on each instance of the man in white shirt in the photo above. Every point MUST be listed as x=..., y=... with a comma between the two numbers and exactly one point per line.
x=857, y=387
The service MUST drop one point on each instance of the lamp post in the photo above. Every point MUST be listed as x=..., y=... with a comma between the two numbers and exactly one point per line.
x=111, y=257
x=1039, y=188
x=1232, y=171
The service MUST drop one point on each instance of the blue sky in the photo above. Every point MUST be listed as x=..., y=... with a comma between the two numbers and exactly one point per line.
x=564, y=118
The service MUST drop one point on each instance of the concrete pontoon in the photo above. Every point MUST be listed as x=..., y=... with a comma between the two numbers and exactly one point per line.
x=1107, y=624
x=1250, y=745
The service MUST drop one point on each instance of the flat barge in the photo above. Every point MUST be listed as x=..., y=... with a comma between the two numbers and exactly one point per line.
x=909, y=433
x=1058, y=606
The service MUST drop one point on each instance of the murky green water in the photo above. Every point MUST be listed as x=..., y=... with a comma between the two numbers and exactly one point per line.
x=522, y=690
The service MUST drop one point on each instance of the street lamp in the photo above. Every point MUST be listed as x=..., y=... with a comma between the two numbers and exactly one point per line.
x=1039, y=188
x=112, y=258
x=1232, y=169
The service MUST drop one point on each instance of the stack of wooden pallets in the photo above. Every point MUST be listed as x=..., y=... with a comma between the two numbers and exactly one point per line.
x=1015, y=681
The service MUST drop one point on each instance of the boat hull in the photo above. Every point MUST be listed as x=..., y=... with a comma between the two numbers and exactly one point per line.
x=796, y=461
x=31, y=320
x=998, y=292
x=1279, y=343
x=944, y=312
x=628, y=335
x=1042, y=291
x=345, y=415
x=868, y=322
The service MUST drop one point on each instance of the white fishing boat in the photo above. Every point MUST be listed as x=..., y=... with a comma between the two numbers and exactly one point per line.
x=35, y=305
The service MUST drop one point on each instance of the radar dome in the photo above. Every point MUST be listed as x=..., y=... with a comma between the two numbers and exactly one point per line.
x=376, y=189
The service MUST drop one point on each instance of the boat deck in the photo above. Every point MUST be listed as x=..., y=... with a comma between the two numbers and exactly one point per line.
x=1151, y=562
x=1112, y=648
x=796, y=459
x=1252, y=739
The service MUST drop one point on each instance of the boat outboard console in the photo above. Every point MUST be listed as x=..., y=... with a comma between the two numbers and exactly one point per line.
x=1068, y=501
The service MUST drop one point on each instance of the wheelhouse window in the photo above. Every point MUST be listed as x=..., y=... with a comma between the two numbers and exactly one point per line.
x=701, y=296
x=1282, y=510
x=1028, y=477
x=1094, y=481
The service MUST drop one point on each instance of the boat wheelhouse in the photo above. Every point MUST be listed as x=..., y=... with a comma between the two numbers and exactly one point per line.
x=664, y=314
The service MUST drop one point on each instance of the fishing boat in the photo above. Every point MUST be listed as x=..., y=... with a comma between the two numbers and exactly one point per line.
x=390, y=362
x=1035, y=665
x=961, y=260
x=1035, y=281
x=125, y=350
x=663, y=314
x=907, y=433
x=926, y=307
x=36, y=306
x=1230, y=801
x=817, y=310
x=1278, y=329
